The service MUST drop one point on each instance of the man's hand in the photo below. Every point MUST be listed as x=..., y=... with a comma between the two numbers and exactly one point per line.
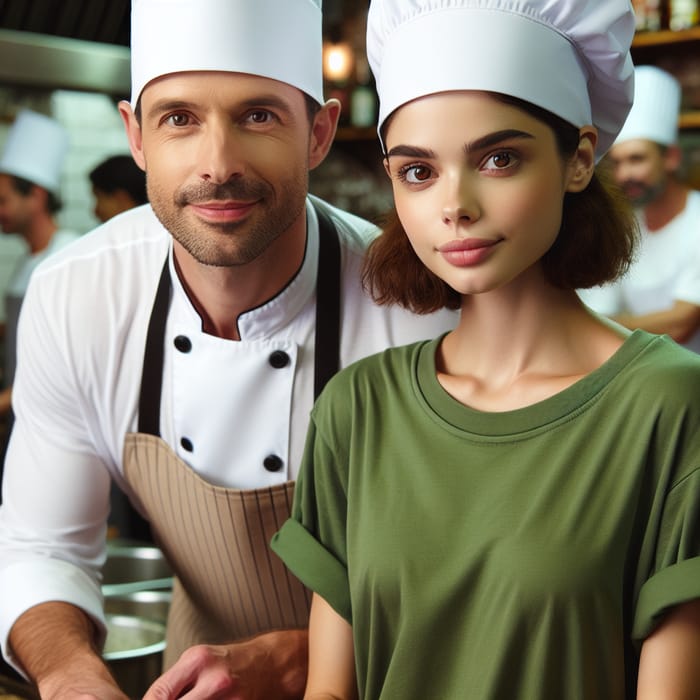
x=271, y=665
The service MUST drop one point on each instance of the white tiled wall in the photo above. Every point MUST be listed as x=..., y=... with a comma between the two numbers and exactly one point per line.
x=96, y=132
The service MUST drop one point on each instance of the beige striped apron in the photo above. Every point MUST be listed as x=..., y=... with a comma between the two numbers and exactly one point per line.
x=228, y=582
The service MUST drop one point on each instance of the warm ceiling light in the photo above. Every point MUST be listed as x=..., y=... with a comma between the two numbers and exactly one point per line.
x=338, y=61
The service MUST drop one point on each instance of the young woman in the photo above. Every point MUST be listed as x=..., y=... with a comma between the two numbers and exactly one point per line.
x=511, y=510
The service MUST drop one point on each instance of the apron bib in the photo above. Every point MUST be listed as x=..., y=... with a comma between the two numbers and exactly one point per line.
x=228, y=583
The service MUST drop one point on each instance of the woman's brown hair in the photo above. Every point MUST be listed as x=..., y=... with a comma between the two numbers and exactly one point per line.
x=595, y=244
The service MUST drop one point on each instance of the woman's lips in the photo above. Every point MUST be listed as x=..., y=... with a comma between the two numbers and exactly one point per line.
x=468, y=251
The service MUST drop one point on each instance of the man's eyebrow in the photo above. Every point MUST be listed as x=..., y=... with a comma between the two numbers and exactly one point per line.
x=487, y=141
x=263, y=101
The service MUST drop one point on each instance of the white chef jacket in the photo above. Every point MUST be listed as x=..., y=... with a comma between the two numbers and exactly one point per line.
x=667, y=269
x=16, y=289
x=81, y=339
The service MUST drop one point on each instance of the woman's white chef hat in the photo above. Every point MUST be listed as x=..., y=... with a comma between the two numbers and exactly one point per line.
x=35, y=150
x=279, y=39
x=570, y=57
x=656, y=107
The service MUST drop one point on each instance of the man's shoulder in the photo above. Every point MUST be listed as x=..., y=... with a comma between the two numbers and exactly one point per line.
x=354, y=232
x=133, y=236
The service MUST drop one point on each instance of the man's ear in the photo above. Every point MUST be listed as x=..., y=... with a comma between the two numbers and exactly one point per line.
x=133, y=133
x=673, y=158
x=323, y=132
x=582, y=166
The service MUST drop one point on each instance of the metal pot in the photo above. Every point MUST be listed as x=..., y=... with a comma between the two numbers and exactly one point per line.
x=135, y=568
x=149, y=605
x=134, y=652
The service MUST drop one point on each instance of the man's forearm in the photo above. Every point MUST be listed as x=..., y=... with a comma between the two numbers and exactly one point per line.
x=54, y=643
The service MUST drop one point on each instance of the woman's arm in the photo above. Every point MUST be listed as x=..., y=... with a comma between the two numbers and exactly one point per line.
x=670, y=663
x=331, y=655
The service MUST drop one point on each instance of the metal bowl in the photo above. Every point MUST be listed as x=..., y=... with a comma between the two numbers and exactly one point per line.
x=135, y=568
x=134, y=652
x=149, y=605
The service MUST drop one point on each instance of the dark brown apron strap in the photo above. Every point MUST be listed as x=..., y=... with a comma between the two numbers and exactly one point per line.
x=327, y=339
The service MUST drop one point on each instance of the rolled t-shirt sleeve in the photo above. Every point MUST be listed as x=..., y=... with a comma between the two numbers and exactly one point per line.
x=676, y=575
x=312, y=543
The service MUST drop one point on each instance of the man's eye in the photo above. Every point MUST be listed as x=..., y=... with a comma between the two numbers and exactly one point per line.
x=178, y=120
x=260, y=116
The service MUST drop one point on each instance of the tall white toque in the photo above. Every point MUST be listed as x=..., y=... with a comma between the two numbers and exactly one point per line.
x=278, y=39
x=570, y=57
x=35, y=150
x=656, y=107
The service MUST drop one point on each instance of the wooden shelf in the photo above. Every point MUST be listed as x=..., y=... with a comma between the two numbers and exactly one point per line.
x=690, y=120
x=665, y=37
x=354, y=133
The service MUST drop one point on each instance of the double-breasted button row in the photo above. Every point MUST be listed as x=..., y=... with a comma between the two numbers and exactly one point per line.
x=277, y=359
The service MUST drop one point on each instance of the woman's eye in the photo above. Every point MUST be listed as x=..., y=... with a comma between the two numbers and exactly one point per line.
x=414, y=174
x=500, y=161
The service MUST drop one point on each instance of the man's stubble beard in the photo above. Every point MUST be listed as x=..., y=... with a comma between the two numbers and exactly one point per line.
x=230, y=244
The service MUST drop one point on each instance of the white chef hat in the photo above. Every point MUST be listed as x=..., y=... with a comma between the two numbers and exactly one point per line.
x=279, y=39
x=656, y=107
x=570, y=57
x=35, y=149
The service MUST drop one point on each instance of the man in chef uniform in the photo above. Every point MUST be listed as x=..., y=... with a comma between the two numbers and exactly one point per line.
x=661, y=291
x=31, y=166
x=178, y=350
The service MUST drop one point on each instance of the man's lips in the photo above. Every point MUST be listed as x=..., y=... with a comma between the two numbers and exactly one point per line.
x=219, y=210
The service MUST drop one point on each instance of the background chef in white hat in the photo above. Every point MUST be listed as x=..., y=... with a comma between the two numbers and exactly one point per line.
x=661, y=291
x=30, y=173
x=518, y=514
x=177, y=351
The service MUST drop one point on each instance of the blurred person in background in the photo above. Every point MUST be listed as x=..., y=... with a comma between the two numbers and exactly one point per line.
x=30, y=171
x=660, y=292
x=118, y=184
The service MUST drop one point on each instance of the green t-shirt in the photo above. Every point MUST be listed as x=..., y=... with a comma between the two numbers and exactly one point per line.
x=522, y=554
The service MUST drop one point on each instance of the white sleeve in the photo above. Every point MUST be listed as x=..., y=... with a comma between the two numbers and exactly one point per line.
x=55, y=499
x=687, y=285
x=605, y=300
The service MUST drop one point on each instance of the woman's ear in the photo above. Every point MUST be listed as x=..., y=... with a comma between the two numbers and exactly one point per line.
x=582, y=165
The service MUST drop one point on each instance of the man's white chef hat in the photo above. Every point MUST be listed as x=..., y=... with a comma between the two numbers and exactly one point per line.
x=279, y=39
x=656, y=107
x=570, y=57
x=35, y=150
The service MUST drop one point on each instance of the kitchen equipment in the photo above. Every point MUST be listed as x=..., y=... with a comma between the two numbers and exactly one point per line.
x=149, y=605
x=134, y=652
x=131, y=568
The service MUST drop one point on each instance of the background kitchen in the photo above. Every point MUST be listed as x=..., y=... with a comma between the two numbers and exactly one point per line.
x=69, y=59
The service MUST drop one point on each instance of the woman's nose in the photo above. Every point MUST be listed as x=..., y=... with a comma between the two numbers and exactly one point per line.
x=461, y=205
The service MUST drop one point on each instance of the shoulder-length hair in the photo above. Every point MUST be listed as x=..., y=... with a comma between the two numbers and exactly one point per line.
x=595, y=244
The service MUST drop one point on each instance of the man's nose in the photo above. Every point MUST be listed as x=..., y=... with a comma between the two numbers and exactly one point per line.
x=220, y=153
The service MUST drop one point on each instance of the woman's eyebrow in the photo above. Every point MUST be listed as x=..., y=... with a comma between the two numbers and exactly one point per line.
x=486, y=141
x=495, y=138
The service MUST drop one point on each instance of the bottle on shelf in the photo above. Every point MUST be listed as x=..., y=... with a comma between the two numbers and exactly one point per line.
x=683, y=14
